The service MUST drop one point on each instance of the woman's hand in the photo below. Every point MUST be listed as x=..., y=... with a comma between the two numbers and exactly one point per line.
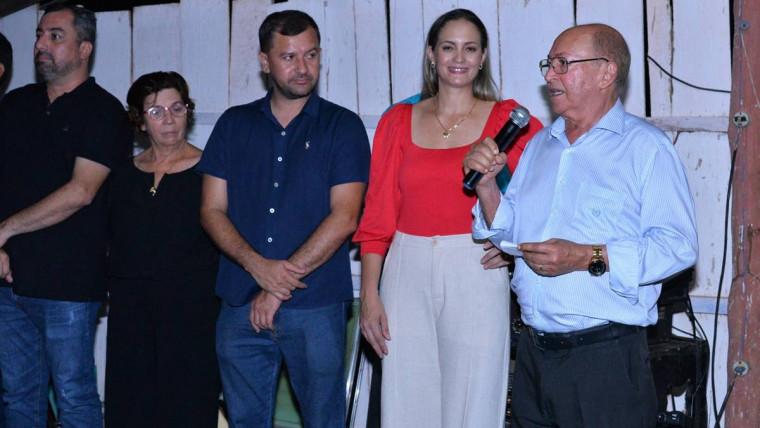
x=374, y=323
x=494, y=258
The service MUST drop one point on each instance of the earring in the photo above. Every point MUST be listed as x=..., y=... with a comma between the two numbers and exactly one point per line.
x=432, y=65
x=480, y=67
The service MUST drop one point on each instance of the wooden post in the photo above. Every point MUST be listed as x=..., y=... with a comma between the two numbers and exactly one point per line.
x=742, y=410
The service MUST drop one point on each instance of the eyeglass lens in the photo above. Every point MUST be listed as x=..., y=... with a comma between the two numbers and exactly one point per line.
x=158, y=112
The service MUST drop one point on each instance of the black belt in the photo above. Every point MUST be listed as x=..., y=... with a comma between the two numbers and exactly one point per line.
x=558, y=341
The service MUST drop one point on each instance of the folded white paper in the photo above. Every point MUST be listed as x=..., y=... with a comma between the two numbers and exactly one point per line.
x=510, y=248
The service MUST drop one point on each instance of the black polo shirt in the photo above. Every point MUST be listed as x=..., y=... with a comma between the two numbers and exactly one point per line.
x=39, y=143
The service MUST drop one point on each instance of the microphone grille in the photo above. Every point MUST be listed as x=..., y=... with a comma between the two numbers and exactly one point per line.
x=520, y=116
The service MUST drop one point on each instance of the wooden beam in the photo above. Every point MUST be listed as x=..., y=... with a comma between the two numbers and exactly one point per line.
x=744, y=298
x=9, y=6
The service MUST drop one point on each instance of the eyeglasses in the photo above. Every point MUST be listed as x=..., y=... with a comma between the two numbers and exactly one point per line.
x=560, y=64
x=158, y=112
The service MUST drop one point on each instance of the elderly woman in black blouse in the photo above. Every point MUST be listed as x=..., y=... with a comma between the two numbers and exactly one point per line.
x=161, y=368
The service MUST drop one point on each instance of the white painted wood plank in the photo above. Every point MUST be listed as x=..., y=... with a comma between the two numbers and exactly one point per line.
x=628, y=18
x=701, y=56
x=660, y=45
x=155, y=39
x=205, y=51
x=527, y=31
x=199, y=134
x=315, y=9
x=407, y=40
x=707, y=159
x=19, y=29
x=247, y=82
x=372, y=56
x=339, y=43
x=112, y=65
x=432, y=9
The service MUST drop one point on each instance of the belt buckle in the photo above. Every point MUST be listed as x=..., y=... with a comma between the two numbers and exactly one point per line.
x=536, y=335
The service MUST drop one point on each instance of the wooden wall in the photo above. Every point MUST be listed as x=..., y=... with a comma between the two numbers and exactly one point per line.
x=372, y=56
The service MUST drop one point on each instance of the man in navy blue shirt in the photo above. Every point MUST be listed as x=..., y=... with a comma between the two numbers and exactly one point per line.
x=283, y=183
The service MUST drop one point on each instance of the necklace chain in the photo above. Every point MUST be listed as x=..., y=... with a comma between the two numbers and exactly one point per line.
x=447, y=132
x=154, y=188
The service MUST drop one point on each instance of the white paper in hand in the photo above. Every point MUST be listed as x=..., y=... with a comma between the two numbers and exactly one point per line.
x=510, y=248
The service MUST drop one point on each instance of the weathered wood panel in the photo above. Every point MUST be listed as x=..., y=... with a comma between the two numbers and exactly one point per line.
x=156, y=39
x=247, y=82
x=112, y=64
x=372, y=56
x=528, y=30
x=19, y=29
x=701, y=56
x=407, y=38
x=339, y=61
x=706, y=158
x=205, y=58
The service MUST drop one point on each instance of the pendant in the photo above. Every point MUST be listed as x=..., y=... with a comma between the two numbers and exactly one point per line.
x=152, y=190
x=446, y=134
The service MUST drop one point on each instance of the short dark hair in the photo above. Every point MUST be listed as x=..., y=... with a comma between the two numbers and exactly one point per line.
x=287, y=23
x=153, y=83
x=85, y=22
x=6, y=58
x=483, y=87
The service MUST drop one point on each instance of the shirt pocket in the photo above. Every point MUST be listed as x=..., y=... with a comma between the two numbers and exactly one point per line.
x=597, y=210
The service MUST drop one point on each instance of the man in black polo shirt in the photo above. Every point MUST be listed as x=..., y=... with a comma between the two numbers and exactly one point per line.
x=6, y=64
x=58, y=142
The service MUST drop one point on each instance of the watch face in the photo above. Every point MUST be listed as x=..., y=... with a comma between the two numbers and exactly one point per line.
x=597, y=267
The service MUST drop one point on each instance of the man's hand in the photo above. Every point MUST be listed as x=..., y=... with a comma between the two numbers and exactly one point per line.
x=263, y=308
x=5, y=266
x=494, y=258
x=374, y=323
x=556, y=256
x=277, y=277
x=485, y=158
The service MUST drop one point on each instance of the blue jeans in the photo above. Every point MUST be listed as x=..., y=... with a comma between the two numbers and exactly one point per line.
x=40, y=338
x=313, y=344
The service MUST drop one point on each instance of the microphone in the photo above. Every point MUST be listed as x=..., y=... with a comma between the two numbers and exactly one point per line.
x=519, y=117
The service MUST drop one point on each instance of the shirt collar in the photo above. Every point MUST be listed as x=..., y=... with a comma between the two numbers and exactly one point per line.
x=613, y=120
x=311, y=107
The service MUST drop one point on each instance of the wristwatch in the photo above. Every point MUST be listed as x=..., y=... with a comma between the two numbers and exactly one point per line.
x=597, y=266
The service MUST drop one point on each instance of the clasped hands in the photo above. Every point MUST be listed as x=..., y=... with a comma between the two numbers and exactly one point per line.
x=277, y=279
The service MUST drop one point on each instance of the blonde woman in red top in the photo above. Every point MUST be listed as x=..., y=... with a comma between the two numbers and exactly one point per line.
x=440, y=318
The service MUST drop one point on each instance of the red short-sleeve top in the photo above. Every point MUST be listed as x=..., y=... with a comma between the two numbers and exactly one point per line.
x=417, y=190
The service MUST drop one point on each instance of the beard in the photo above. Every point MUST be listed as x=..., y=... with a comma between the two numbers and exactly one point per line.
x=293, y=92
x=51, y=71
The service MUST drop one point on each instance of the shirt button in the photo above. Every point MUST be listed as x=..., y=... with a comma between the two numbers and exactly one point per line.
x=276, y=184
x=269, y=239
x=271, y=210
x=279, y=158
x=283, y=133
x=554, y=213
x=561, y=181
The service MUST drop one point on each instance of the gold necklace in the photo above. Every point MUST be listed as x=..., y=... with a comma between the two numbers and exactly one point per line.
x=154, y=188
x=447, y=132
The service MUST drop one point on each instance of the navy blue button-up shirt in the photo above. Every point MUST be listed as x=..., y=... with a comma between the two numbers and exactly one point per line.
x=278, y=189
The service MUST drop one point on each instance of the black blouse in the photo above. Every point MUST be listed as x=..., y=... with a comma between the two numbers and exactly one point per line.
x=157, y=236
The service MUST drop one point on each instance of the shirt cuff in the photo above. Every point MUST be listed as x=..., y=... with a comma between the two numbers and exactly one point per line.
x=623, y=256
x=501, y=227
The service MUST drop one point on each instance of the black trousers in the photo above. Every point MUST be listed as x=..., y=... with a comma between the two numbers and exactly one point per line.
x=603, y=385
x=161, y=368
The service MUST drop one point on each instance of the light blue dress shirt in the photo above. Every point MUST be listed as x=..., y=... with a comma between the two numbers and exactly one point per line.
x=622, y=185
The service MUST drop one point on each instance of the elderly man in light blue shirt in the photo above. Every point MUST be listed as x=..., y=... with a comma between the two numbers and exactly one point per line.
x=601, y=212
